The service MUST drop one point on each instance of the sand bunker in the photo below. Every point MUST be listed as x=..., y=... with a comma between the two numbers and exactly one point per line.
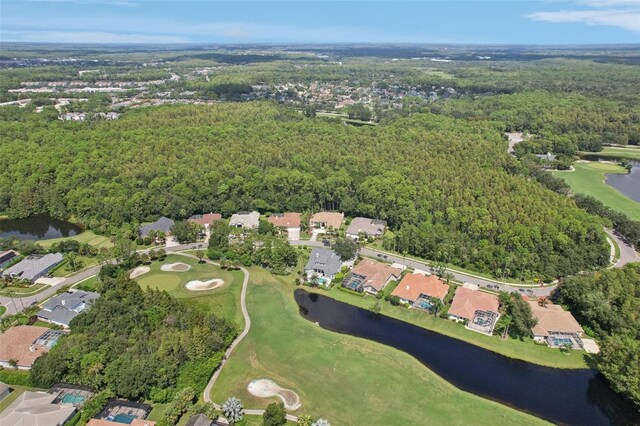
x=197, y=285
x=140, y=270
x=264, y=388
x=175, y=267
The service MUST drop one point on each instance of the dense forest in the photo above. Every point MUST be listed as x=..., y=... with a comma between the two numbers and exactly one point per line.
x=446, y=186
x=136, y=343
x=607, y=304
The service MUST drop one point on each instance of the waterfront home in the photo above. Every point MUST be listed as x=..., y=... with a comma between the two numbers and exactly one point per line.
x=36, y=408
x=114, y=422
x=23, y=344
x=206, y=219
x=64, y=307
x=370, y=276
x=477, y=309
x=7, y=257
x=326, y=220
x=34, y=267
x=555, y=326
x=369, y=228
x=323, y=263
x=163, y=224
x=246, y=220
x=419, y=290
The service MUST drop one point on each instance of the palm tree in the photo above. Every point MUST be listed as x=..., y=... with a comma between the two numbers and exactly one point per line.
x=436, y=305
x=200, y=255
x=233, y=410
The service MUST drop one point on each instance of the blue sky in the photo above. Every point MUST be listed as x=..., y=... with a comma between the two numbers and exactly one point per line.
x=452, y=21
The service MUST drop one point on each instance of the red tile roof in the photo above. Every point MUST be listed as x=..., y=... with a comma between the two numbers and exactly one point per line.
x=466, y=302
x=413, y=285
x=205, y=219
x=331, y=219
x=285, y=220
x=18, y=343
x=376, y=273
x=552, y=318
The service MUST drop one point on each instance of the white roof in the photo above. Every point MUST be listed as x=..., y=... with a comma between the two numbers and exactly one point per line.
x=36, y=409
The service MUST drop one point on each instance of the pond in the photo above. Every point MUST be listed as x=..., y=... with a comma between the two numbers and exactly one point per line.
x=628, y=184
x=40, y=227
x=575, y=397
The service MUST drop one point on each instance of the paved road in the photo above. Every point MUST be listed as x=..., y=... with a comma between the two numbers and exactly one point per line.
x=628, y=254
x=487, y=283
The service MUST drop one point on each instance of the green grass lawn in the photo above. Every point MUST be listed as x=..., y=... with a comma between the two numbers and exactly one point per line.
x=343, y=378
x=614, y=152
x=89, y=237
x=64, y=269
x=2, y=310
x=524, y=349
x=20, y=291
x=90, y=284
x=588, y=178
x=223, y=301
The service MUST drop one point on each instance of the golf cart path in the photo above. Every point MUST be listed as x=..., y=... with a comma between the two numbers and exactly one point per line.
x=229, y=351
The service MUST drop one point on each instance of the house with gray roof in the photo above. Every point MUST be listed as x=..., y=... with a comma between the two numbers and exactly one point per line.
x=246, y=220
x=34, y=267
x=64, y=307
x=163, y=224
x=324, y=263
x=199, y=420
x=367, y=227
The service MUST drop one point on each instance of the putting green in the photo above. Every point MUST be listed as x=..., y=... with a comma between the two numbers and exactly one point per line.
x=169, y=282
x=223, y=301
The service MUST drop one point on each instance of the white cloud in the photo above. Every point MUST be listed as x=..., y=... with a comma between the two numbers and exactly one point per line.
x=89, y=37
x=628, y=20
x=623, y=14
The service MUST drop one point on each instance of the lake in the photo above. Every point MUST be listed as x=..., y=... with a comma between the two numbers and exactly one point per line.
x=573, y=397
x=40, y=227
x=628, y=184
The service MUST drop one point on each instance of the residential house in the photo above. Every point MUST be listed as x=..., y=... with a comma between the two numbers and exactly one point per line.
x=555, y=326
x=364, y=226
x=324, y=263
x=370, y=276
x=419, y=290
x=164, y=224
x=285, y=220
x=289, y=222
x=37, y=409
x=246, y=220
x=34, y=267
x=477, y=309
x=547, y=157
x=206, y=219
x=24, y=343
x=326, y=220
x=199, y=420
x=64, y=307
x=7, y=257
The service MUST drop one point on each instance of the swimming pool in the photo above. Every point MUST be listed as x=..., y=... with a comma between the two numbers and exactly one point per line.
x=560, y=341
x=72, y=399
x=126, y=419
